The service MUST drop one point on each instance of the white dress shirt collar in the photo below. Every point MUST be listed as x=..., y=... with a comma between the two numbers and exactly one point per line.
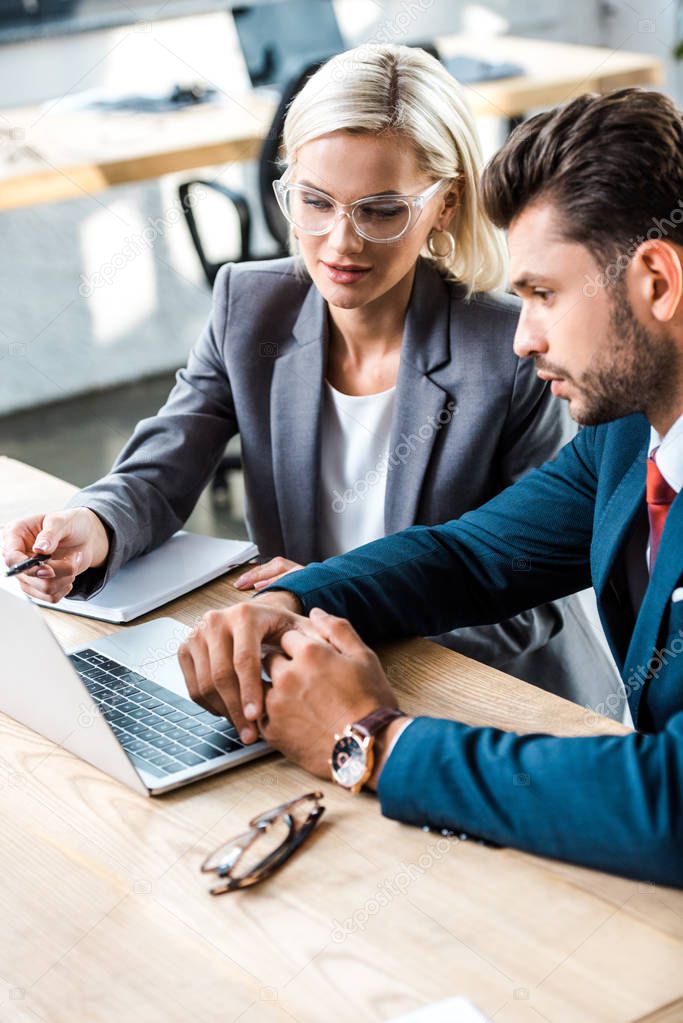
x=669, y=454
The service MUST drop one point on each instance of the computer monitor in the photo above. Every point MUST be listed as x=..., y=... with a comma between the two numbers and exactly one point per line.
x=279, y=39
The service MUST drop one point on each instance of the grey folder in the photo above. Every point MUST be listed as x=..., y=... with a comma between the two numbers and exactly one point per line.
x=178, y=566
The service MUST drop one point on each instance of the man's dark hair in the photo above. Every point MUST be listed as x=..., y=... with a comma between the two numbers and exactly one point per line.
x=611, y=166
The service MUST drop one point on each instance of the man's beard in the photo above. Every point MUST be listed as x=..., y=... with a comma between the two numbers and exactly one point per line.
x=636, y=371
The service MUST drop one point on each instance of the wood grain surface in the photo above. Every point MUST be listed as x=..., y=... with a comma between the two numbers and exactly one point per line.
x=105, y=917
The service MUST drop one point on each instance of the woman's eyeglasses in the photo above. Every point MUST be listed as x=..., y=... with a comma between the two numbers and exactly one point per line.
x=377, y=218
x=273, y=837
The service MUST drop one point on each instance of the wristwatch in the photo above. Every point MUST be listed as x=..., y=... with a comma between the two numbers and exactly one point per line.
x=352, y=757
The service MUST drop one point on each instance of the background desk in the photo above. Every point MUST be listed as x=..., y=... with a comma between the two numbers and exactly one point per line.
x=105, y=917
x=50, y=155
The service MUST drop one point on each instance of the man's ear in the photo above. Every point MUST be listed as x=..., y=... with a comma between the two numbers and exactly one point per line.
x=657, y=279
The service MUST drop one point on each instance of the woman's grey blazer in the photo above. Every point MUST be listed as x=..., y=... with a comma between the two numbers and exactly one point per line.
x=470, y=418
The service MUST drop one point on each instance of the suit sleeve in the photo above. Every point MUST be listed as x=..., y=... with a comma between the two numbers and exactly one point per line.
x=161, y=472
x=607, y=802
x=525, y=547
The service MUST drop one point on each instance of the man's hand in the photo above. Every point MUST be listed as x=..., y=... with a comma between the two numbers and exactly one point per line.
x=221, y=658
x=321, y=683
x=260, y=576
x=76, y=539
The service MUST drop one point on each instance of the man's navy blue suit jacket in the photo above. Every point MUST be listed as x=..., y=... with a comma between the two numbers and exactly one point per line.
x=609, y=802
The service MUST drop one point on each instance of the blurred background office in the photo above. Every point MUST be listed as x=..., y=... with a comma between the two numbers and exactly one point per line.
x=103, y=289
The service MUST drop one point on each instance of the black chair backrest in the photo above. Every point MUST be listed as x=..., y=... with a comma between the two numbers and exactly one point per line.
x=268, y=168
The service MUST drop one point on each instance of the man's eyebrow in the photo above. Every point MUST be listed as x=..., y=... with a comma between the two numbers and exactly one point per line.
x=529, y=280
x=384, y=191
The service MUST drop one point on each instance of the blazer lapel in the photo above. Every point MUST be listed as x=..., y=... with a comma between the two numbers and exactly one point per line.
x=663, y=581
x=616, y=518
x=419, y=400
x=295, y=403
x=610, y=536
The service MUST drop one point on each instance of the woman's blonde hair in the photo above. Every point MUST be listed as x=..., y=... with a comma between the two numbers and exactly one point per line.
x=383, y=88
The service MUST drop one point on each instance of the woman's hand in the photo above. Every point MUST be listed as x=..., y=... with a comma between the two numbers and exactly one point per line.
x=75, y=539
x=260, y=576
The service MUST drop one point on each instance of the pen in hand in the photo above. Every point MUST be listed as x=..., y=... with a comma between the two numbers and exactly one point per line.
x=23, y=566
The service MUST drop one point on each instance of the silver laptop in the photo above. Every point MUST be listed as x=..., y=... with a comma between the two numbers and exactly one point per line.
x=119, y=702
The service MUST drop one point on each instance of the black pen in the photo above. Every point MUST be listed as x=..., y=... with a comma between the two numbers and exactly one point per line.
x=23, y=566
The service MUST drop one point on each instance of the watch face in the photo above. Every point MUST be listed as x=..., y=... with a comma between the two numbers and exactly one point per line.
x=348, y=761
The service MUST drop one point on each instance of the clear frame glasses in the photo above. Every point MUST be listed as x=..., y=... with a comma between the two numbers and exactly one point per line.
x=272, y=838
x=377, y=218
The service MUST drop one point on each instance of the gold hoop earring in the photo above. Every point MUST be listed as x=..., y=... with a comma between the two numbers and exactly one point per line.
x=433, y=245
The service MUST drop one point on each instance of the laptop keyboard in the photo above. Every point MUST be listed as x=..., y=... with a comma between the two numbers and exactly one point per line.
x=162, y=733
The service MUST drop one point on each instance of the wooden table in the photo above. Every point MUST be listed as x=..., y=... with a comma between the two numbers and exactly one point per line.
x=105, y=917
x=48, y=154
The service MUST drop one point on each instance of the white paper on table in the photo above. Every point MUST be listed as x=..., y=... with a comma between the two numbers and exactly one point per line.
x=451, y=1010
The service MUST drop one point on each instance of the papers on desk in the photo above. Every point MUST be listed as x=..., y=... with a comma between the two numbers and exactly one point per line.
x=452, y=1010
x=180, y=565
x=109, y=100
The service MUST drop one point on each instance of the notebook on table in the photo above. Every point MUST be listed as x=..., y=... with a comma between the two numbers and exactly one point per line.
x=180, y=565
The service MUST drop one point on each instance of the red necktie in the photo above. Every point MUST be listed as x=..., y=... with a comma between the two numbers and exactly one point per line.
x=660, y=496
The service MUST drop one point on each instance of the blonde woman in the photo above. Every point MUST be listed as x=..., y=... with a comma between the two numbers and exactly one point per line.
x=370, y=377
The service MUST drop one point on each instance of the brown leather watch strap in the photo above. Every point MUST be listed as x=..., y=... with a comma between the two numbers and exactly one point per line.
x=374, y=722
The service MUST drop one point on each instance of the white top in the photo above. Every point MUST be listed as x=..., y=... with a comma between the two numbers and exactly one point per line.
x=354, y=451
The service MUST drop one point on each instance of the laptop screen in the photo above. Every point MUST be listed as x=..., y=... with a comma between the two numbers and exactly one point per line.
x=279, y=39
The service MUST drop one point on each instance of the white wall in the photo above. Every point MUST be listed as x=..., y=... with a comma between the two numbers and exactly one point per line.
x=59, y=337
x=146, y=57
x=648, y=26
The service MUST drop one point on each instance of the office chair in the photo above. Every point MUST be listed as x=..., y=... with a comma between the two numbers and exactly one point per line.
x=268, y=171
